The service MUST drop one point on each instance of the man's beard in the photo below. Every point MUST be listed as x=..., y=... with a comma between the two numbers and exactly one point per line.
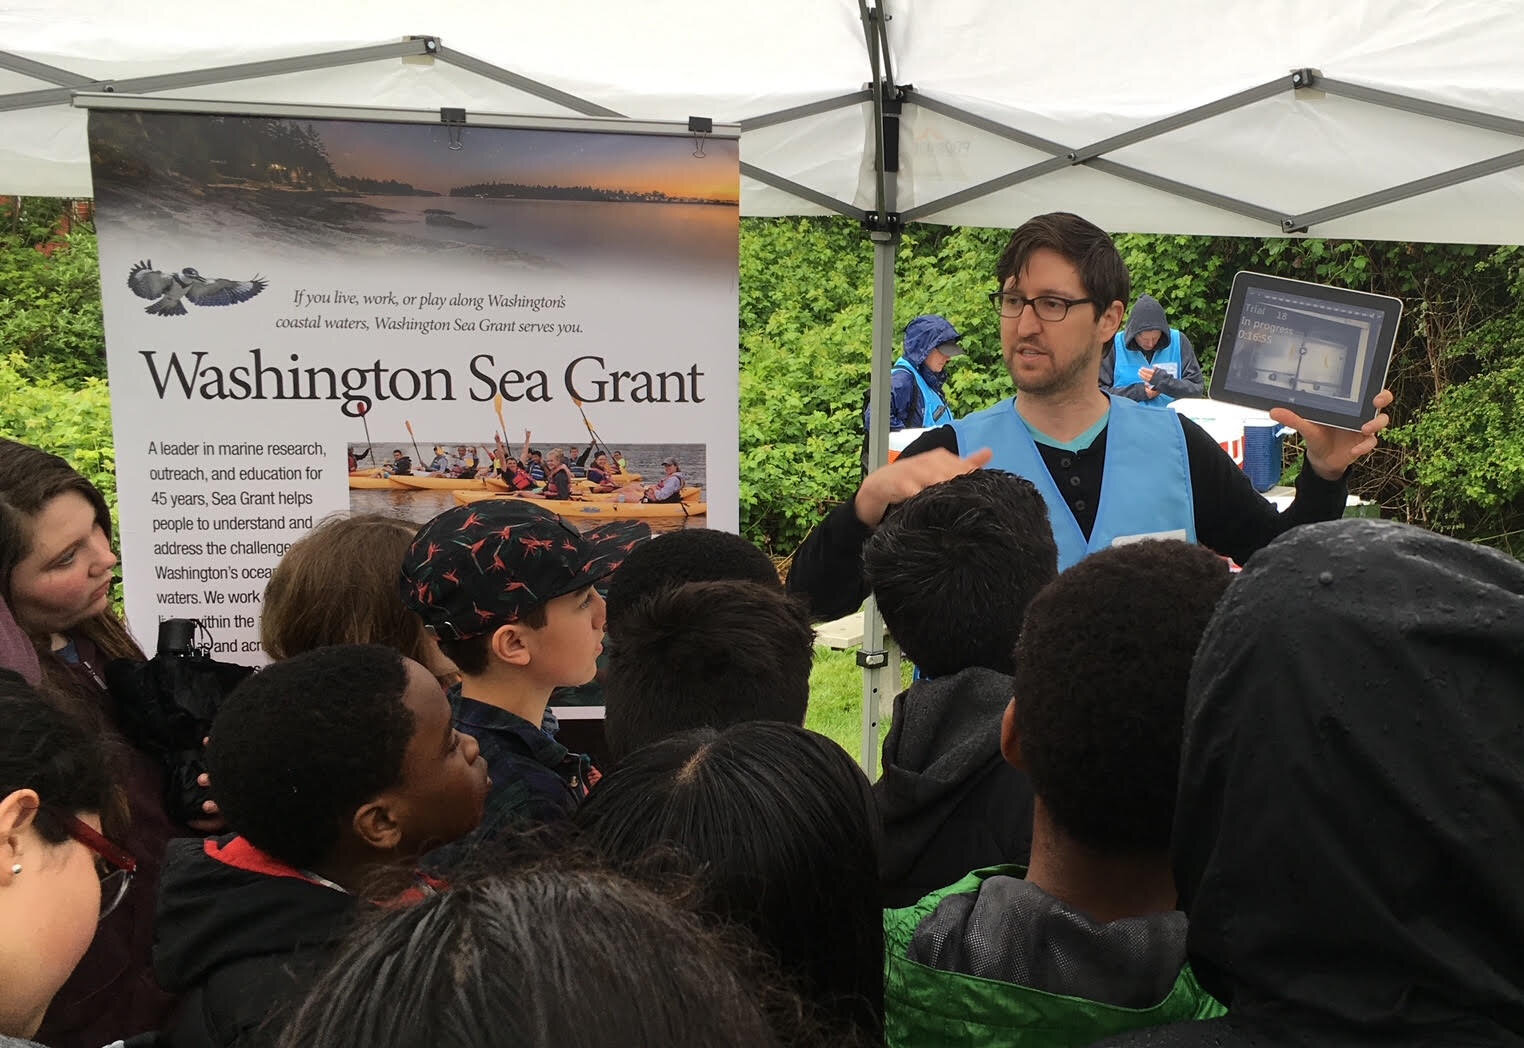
x=1063, y=381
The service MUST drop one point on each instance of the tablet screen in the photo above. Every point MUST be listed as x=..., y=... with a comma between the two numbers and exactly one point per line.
x=1321, y=351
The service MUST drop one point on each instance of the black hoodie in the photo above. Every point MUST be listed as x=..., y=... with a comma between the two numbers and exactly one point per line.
x=949, y=801
x=242, y=937
x=1349, y=835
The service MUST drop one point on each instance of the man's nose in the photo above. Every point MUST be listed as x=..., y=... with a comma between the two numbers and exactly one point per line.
x=1028, y=322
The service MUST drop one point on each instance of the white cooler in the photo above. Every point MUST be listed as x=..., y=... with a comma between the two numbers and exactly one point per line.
x=1225, y=422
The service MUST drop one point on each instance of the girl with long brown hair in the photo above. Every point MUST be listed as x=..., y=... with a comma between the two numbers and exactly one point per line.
x=56, y=572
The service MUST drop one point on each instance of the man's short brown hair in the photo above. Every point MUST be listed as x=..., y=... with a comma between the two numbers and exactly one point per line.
x=1083, y=244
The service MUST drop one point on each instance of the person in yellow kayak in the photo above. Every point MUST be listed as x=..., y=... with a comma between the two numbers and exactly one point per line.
x=558, y=475
x=670, y=487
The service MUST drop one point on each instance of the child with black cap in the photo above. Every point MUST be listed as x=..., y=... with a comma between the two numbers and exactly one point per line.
x=507, y=588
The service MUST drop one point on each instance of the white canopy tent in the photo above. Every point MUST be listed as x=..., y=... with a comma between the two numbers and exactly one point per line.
x=1385, y=119
x=1408, y=125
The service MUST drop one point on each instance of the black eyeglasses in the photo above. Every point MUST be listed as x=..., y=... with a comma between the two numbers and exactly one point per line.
x=113, y=863
x=1051, y=308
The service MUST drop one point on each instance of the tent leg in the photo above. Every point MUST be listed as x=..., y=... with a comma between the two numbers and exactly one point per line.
x=880, y=661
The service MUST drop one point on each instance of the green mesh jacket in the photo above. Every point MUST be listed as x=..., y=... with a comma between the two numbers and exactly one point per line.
x=929, y=1008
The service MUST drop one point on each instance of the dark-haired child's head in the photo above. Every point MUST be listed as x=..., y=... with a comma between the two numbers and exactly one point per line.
x=779, y=825
x=508, y=590
x=1101, y=673
x=573, y=957
x=705, y=655
x=344, y=755
x=690, y=555
x=953, y=568
x=55, y=788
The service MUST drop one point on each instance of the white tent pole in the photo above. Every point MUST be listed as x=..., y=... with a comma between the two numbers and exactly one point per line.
x=1063, y=156
x=143, y=85
x=488, y=71
x=1091, y=156
x=803, y=192
x=825, y=105
x=41, y=71
x=300, y=111
x=1420, y=106
x=1417, y=187
x=880, y=662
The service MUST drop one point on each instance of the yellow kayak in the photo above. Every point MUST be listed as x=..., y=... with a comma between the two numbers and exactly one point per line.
x=688, y=495
x=587, y=486
x=369, y=481
x=439, y=483
x=571, y=508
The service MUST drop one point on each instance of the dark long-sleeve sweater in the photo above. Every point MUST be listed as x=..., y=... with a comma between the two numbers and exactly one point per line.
x=1231, y=517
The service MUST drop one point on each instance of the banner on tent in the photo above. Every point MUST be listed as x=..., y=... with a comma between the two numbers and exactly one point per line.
x=283, y=294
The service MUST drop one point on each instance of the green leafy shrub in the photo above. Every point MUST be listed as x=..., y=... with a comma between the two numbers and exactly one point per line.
x=72, y=420
x=1468, y=458
x=51, y=308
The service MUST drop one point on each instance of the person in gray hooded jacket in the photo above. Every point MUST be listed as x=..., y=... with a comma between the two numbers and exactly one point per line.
x=952, y=570
x=1149, y=361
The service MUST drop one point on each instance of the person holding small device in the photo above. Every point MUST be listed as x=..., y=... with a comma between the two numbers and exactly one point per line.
x=1109, y=470
x=1151, y=362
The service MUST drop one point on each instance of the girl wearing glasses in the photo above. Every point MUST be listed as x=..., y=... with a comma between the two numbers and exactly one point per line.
x=57, y=568
x=59, y=876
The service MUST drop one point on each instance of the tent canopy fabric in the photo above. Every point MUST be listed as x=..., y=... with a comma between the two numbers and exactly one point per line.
x=1382, y=119
x=1424, y=97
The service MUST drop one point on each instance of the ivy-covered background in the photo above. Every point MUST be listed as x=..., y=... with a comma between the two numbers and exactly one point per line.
x=1454, y=461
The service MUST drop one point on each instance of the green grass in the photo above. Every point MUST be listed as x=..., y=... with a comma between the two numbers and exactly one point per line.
x=836, y=699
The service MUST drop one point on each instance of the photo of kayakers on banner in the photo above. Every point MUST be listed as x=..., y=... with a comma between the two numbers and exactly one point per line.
x=586, y=481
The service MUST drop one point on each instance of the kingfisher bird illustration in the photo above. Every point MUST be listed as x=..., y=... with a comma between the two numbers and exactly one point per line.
x=172, y=290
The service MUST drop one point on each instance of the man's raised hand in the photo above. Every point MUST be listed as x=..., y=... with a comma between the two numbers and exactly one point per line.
x=904, y=477
x=1330, y=451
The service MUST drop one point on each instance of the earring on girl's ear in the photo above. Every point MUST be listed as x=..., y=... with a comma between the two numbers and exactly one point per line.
x=15, y=869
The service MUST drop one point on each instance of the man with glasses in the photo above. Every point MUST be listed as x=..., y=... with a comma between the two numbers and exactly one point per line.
x=1109, y=469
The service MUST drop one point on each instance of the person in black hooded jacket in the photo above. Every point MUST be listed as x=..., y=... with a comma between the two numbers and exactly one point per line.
x=1350, y=826
x=337, y=768
x=953, y=569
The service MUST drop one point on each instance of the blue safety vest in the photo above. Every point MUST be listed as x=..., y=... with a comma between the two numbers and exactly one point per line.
x=1129, y=360
x=934, y=410
x=1145, y=480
